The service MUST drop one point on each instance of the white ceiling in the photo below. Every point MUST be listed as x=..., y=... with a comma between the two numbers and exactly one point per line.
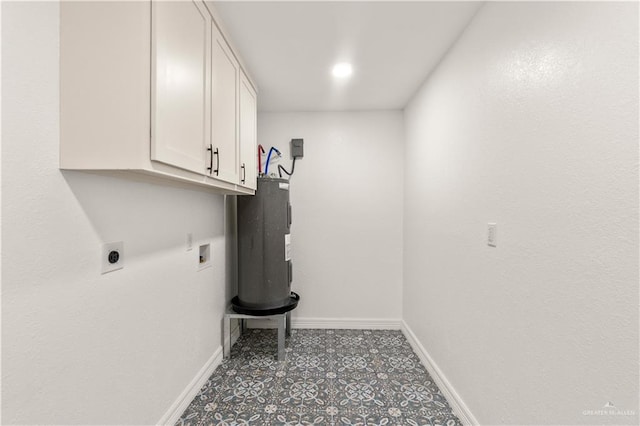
x=290, y=48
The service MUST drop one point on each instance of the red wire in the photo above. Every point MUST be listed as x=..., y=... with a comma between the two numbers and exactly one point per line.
x=260, y=148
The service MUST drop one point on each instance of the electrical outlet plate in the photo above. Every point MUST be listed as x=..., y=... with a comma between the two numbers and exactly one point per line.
x=189, y=241
x=492, y=235
x=112, y=256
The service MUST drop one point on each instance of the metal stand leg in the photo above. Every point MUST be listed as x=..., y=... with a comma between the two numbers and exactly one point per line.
x=281, y=331
x=284, y=329
x=227, y=336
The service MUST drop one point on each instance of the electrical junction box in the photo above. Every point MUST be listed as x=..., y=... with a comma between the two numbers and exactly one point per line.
x=297, y=150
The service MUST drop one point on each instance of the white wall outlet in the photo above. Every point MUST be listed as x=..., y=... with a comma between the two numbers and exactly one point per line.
x=189, y=241
x=112, y=256
x=492, y=235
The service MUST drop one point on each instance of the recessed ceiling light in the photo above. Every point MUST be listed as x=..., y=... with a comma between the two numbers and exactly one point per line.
x=342, y=70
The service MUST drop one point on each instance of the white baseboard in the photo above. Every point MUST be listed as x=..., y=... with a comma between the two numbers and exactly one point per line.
x=337, y=323
x=189, y=393
x=262, y=323
x=457, y=404
x=348, y=323
x=177, y=408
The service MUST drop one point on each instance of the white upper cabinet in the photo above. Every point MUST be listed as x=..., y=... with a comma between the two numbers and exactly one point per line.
x=225, y=74
x=248, y=133
x=179, y=97
x=152, y=90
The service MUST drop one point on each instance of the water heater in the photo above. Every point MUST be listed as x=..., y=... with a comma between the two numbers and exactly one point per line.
x=264, y=250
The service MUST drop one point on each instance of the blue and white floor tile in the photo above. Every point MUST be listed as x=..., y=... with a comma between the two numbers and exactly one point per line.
x=330, y=377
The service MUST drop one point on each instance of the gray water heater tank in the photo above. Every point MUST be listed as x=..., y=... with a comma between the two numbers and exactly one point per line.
x=264, y=246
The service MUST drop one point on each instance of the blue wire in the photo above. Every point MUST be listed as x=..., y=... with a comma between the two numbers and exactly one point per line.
x=266, y=167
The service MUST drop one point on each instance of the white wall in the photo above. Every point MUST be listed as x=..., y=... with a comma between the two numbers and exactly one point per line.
x=530, y=121
x=347, y=211
x=79, y=347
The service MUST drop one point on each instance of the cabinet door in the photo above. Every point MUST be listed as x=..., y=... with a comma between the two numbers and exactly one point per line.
x=248, y=133
x=180, y=87
x=224, y=108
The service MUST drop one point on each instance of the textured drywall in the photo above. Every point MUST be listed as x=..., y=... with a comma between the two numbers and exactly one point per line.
x=79, y=347
x=530, y=121
x=347, y=210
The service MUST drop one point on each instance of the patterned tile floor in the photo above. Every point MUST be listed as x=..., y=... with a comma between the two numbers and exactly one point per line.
x=330, y=377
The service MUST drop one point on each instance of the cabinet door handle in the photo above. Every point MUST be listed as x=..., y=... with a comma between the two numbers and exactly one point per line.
x=244, y=173
x=210, y=149
x=211, y=154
